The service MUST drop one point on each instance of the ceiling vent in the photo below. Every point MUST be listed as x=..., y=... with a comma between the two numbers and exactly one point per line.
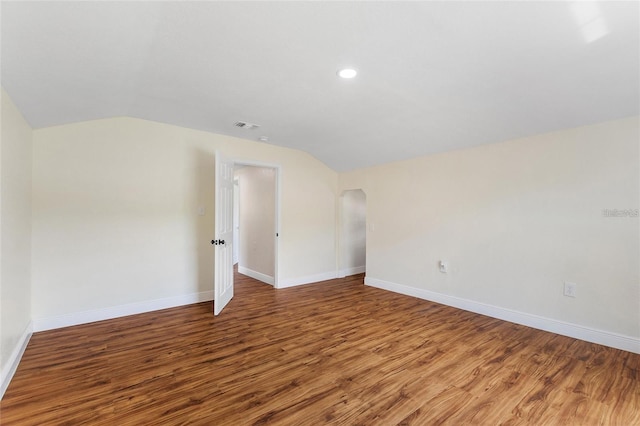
x=245, y=125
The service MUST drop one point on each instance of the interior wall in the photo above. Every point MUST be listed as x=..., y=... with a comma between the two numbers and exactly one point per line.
x=515, y=220
x=116, y=213
x=15, y=234
x=353, y=235
x=257, y=203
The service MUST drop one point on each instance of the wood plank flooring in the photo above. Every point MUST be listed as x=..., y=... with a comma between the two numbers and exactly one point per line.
x=337, y=352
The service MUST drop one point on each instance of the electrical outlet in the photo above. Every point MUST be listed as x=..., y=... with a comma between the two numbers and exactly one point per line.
x=569, y=289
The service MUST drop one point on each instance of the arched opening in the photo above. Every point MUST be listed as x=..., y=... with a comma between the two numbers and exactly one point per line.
x=353, y=232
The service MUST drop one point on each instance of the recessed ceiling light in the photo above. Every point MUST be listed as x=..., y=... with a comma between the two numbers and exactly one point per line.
x=347, y=73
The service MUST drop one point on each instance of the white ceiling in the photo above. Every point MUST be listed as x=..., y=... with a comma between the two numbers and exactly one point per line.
x=433, y=76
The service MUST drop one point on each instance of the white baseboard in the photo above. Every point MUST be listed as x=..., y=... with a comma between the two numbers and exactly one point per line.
x=309, y=279
x=11, y=365
x=256, y=275
x=351, y=271
x=576, y=331
x=76, y=318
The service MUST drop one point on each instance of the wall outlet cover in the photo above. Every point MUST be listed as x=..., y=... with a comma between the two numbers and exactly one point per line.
x=570, y=289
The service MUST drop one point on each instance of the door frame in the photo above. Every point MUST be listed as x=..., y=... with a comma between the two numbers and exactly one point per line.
x=340, y=240
x=276, y=238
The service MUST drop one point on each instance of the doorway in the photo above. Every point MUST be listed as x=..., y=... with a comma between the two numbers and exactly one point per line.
x=353, y=233
x=256, y=215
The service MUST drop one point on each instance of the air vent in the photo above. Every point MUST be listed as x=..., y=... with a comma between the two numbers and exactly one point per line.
x=245, y=125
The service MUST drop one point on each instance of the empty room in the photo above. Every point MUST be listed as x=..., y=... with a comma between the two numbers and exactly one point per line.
x=323, y=212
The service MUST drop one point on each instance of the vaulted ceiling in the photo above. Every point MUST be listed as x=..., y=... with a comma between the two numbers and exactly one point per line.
x=432, y=76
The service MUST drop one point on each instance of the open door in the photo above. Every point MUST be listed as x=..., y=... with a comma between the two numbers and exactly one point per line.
x=223, y=278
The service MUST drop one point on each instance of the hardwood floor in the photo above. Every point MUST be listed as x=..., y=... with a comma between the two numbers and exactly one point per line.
x=336, y=352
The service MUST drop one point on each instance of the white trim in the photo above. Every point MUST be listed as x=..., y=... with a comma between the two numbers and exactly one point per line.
x=59, y=321
x=256, y=275
x=351, y=271
x=14, y=359
x=309, y=279
x=614, y=340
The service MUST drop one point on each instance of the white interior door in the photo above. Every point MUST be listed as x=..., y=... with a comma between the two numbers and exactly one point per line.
x=223, y=279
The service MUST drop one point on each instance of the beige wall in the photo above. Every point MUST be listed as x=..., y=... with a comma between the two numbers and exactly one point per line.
x=15, y=233
x=257, y=203
x=515, y=220
x=115, y=213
